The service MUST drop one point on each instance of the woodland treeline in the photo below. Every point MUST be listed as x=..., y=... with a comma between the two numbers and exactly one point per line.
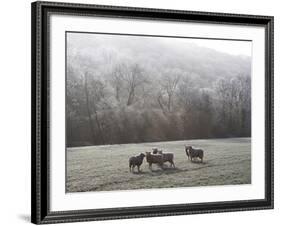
x=130, y=90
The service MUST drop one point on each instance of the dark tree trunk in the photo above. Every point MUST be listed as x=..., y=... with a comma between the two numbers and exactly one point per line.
x=91, y=124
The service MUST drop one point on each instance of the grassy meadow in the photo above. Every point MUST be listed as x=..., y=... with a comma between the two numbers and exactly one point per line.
x=105, y=168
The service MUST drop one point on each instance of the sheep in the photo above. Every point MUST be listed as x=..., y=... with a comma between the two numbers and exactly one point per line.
x=187, y=151
x=154, y=158
x=167, y=157
x=154, y=150
x=194, y=153
x=136, y=161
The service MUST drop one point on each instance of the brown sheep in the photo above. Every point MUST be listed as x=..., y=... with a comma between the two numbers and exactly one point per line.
x=194, y=153
x=154, y=158
x=136, y=161
x=168, y=157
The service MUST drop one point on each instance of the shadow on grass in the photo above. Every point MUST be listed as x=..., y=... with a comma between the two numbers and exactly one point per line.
x=139, y=173
x=153, y=172
x=199, y=165
x=165, y=171
x=199, y=162
x=173, y=170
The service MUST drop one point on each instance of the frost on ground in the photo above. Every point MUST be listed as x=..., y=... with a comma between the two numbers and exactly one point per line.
x=105, y=168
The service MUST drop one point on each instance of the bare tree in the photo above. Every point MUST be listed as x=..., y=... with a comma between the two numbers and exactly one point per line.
x=127, y=79
x=167, y=91
x=116, y=81
x=86, y=89
x=93, y=95
x=134, y=78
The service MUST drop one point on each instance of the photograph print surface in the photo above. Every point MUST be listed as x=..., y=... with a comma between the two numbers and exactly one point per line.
x=156, y=112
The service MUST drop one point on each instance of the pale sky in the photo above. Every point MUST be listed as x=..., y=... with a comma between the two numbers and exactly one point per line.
x=227, y=46
x=232, y=47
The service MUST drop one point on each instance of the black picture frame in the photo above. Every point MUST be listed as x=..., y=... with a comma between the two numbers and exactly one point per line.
x=40, y=211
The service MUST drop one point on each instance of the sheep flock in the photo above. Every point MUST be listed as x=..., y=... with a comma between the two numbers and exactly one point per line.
x=159, y=157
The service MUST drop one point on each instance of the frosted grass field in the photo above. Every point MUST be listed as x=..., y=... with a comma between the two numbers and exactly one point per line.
x=105, y=168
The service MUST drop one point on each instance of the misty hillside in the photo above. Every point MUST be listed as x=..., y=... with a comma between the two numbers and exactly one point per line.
x=124, y=89
x=206, y=64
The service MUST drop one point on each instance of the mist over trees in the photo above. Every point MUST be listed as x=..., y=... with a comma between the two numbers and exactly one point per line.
x=128, y=89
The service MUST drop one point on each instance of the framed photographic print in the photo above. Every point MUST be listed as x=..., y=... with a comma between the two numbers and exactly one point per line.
x=141, y=112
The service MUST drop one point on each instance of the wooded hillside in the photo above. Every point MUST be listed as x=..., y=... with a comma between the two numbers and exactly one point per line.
x=128, y=89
